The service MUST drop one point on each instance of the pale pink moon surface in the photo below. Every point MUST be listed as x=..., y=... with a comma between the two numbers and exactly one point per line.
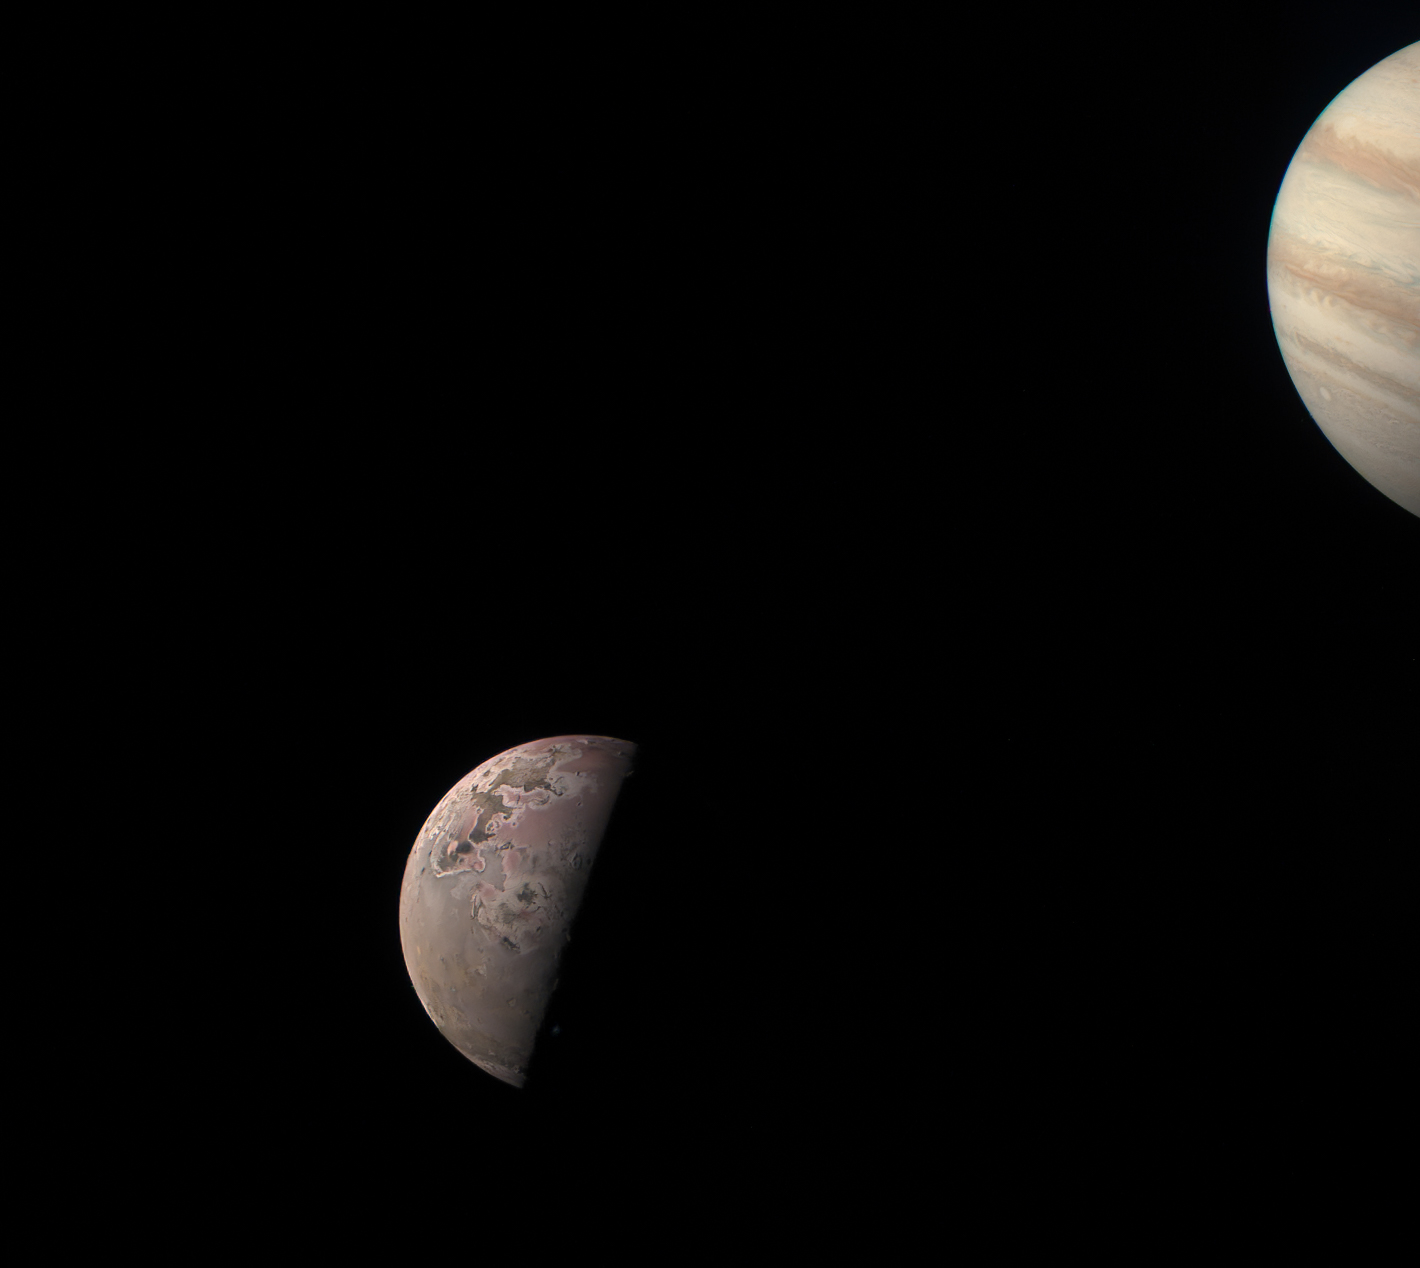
x=1343, y=274
x=492, y=885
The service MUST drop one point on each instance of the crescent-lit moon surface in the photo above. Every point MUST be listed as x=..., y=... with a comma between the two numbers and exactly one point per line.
x=1343, y=274
x=492, y=885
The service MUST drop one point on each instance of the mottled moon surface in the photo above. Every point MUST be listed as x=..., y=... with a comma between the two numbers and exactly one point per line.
x=1343, y=274
x=492, y=885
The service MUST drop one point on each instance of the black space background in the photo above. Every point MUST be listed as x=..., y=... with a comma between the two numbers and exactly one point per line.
x=881, y=426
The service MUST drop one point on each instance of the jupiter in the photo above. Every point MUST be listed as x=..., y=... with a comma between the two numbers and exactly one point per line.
x=1343, y=274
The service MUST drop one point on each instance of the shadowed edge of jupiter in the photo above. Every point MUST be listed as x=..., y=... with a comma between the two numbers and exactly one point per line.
x=493, y=884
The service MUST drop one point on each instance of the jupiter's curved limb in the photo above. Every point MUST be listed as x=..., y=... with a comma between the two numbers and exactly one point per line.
x=1343, y=274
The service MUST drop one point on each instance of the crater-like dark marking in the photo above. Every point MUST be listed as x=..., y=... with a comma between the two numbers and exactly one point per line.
x=525, y=774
